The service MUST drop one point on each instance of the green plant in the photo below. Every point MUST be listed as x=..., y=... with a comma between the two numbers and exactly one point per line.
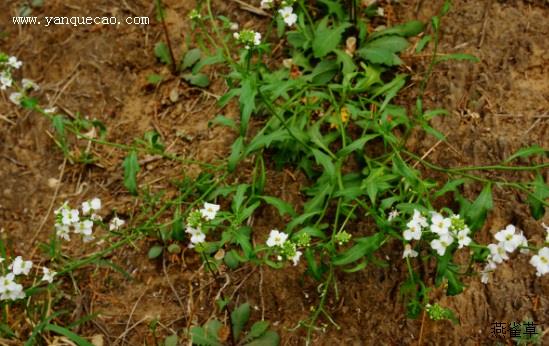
x=214, y=333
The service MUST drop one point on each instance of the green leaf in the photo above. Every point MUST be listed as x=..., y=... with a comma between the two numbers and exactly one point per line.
x=402, y=169
x=258, y=328
x=231, y=259
x=334, y=7
x=80, y=341
x=236, y=152
x=200, y=80
x=282, y=206
x=239, y=318
x=211, y=60
x=450, y=186
x=326, y=162
x=355, y=145
x=423, y=42
x=191, y=58
x=154, y=79
x=247, y=102
x=540, y=193
x=456, y=56
x=155, y=251
x=270, y=338
x=29, y=102
x=171, y=340
x=162, y=52
x=313, y=268
x=207, y=335
x=392, y=43
x=364, y=246
x=324, y=72
x=326, y=39
x=525, y=152
x=476, y=214
x=224, y=121
x=379, y=56
x=131, y=168
x=408, y=29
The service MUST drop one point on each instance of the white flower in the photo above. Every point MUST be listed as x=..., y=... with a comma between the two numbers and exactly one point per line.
x=409, y=252
x=116, y=223
x=236, y=35
x=440, y=224
x=48, y=275
x=13, y=62
x=19, y=266
x=497, y=253
x=296, y=257
x=413, y=231
x=2, y=260
x=257, y=39
x=266, y=4
x=463, y=238
x=419, y=219
x=95, y=217
x=84, y=227
x=5, y=80
x=287, y=63
x=29, y=84
x=16, y=98
x=508, y=239
x=440, y=245
x=62, y=231
x=380, y=11
x=69, y=216
x=287, y=13
x=9, y=289
x=94, y=204
x=50, y=110
x=197, y=236
x=276, y=238
x=209, y=211
x=541, y=261
x=393, y=214
x=234, y=26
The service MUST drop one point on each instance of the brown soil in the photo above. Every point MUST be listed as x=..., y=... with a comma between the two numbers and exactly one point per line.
x=497, y=106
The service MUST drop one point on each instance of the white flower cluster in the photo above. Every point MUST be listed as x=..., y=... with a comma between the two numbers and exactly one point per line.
x=247, y=37
x=194, y=222
x=9, y=288
x=509, y=241
x=81, y=221
x=7, y=65
x=447, y=229
x=286, y=247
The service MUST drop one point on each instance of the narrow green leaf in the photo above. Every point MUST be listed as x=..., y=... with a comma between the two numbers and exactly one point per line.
x=258, y=328
x=191, y=58
x=363, y=247
x=457, y=56
x=236, y=152
x=80, y=341
x=539, y=194
x=282, y=206
x=525, y=152
x=476, y=215
x=131, y=168
x=356, y=145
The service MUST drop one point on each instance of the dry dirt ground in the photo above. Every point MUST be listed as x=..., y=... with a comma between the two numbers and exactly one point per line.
x=496, y=106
